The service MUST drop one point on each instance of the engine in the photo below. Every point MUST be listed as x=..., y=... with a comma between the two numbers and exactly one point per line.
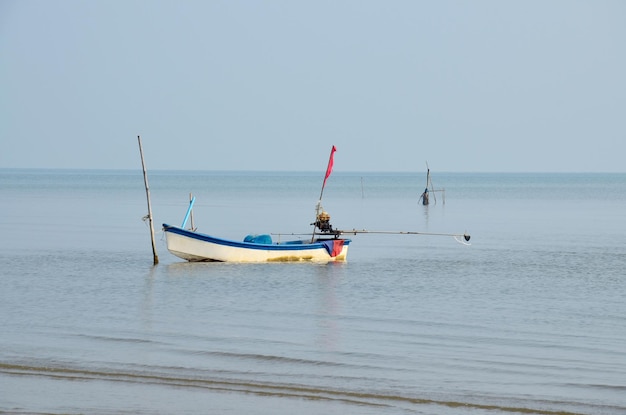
x=322, y=222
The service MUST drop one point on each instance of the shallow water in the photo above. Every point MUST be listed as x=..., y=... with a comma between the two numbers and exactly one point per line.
x=528, y=319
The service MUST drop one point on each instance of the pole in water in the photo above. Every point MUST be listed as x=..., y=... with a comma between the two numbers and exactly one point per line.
x=145, y=180
x=425, y=195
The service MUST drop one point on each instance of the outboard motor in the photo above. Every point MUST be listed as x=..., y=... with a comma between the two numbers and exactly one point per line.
x=323, y=222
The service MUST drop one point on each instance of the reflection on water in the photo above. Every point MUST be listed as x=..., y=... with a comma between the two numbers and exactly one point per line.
x=329, y=309
x=147, y=304
x=425, y=211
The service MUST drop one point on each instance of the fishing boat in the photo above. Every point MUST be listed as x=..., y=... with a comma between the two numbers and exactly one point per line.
x=324, y=244
x=194, y=246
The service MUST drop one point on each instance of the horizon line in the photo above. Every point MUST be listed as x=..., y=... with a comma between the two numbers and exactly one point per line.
x=69, y=169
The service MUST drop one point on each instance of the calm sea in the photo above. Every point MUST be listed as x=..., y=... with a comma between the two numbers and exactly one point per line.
x=531, y=318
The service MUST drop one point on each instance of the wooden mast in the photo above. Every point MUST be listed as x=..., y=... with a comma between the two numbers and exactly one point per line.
x=145, y=180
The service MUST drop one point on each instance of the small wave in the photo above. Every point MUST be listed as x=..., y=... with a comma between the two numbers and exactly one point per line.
x=115, y=339
x=364, y=398
x=268, y=358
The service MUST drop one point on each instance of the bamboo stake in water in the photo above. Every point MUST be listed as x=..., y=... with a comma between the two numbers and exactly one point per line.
x=145, y=180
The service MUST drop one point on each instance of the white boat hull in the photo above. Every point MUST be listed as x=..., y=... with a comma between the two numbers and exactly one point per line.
x=193, y=246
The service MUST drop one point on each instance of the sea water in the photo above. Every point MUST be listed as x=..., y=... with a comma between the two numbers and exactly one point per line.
x=530, y=318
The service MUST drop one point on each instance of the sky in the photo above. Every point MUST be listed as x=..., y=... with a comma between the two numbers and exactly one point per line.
x=465, y=86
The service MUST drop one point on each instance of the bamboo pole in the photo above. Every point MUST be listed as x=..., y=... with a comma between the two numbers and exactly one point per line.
x=189, y=210
x=145, y=180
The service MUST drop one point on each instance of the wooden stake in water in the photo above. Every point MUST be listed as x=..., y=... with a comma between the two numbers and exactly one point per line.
x=145, y=180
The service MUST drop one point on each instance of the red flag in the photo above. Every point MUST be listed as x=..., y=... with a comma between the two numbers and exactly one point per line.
x=329, y=169
x=337, y=247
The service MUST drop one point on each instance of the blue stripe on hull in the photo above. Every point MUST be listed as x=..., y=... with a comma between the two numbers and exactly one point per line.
x=284, y=246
